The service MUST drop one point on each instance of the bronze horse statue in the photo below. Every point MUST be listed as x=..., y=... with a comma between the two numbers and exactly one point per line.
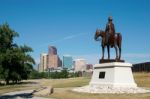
x=112, y=42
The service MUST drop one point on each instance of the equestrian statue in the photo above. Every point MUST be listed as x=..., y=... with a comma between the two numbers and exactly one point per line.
x=110, y=39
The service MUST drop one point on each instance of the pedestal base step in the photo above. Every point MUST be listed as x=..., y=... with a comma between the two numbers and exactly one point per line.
x=112, y=90
x=110, y=60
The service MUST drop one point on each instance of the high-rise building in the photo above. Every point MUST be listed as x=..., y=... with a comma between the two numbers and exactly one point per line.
x=89, y=66
x=59, y=62
x=80, y=65
x=52, y=50
x=67, y=61
x=43, y=62
x=53, y=59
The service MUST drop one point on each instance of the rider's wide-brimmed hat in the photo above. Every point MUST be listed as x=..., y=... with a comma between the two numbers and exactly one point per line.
x=110, y=18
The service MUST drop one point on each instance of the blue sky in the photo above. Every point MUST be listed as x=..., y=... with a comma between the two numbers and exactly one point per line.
x=70, y=25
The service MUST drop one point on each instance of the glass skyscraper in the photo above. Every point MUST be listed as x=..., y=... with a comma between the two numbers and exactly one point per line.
x=67, y=61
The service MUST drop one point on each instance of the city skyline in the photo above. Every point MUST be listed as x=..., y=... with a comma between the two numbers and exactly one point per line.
x=71, y=25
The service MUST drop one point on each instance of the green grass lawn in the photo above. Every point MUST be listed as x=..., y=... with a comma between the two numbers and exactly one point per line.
x=62, y=88
x=63, y=83
x=11, y=88
x=142, y=80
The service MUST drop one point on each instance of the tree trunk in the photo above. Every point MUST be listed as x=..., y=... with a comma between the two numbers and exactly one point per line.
x=7, y=81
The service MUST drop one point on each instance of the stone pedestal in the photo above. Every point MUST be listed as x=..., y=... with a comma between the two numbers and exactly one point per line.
x=113, y=74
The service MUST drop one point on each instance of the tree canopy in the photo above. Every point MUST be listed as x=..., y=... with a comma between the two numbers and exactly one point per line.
x=16, y=62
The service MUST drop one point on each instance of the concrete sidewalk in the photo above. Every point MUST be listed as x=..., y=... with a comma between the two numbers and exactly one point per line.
x=27, y=94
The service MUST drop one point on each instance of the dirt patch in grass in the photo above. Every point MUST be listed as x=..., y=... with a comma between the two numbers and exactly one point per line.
x=25, y=85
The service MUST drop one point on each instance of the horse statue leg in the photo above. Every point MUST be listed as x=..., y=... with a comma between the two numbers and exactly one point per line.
x=108, y=52
x=119, y=52
x=119, y=36
x=103, y=50
x=116, y=49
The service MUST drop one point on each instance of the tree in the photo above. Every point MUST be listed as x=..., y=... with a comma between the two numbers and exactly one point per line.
x=15, y=61
x=26, y=61
x=64, y=73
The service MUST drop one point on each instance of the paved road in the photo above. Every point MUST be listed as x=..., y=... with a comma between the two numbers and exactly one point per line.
x=20, y=95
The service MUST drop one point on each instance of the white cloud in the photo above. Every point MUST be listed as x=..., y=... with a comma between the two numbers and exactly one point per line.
x=63, y=39
x=68, y=37
x=137, y=55
x=128, y=57
x=93, y=58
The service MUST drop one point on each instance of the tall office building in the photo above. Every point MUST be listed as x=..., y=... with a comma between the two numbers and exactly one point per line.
x=43, y=62
x=67, y=61
x=53, y=59
x=80, y=65
x=89, y=67
x=52, y=50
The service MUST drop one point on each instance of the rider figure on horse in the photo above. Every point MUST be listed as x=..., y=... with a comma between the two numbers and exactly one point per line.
x=110, y=31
